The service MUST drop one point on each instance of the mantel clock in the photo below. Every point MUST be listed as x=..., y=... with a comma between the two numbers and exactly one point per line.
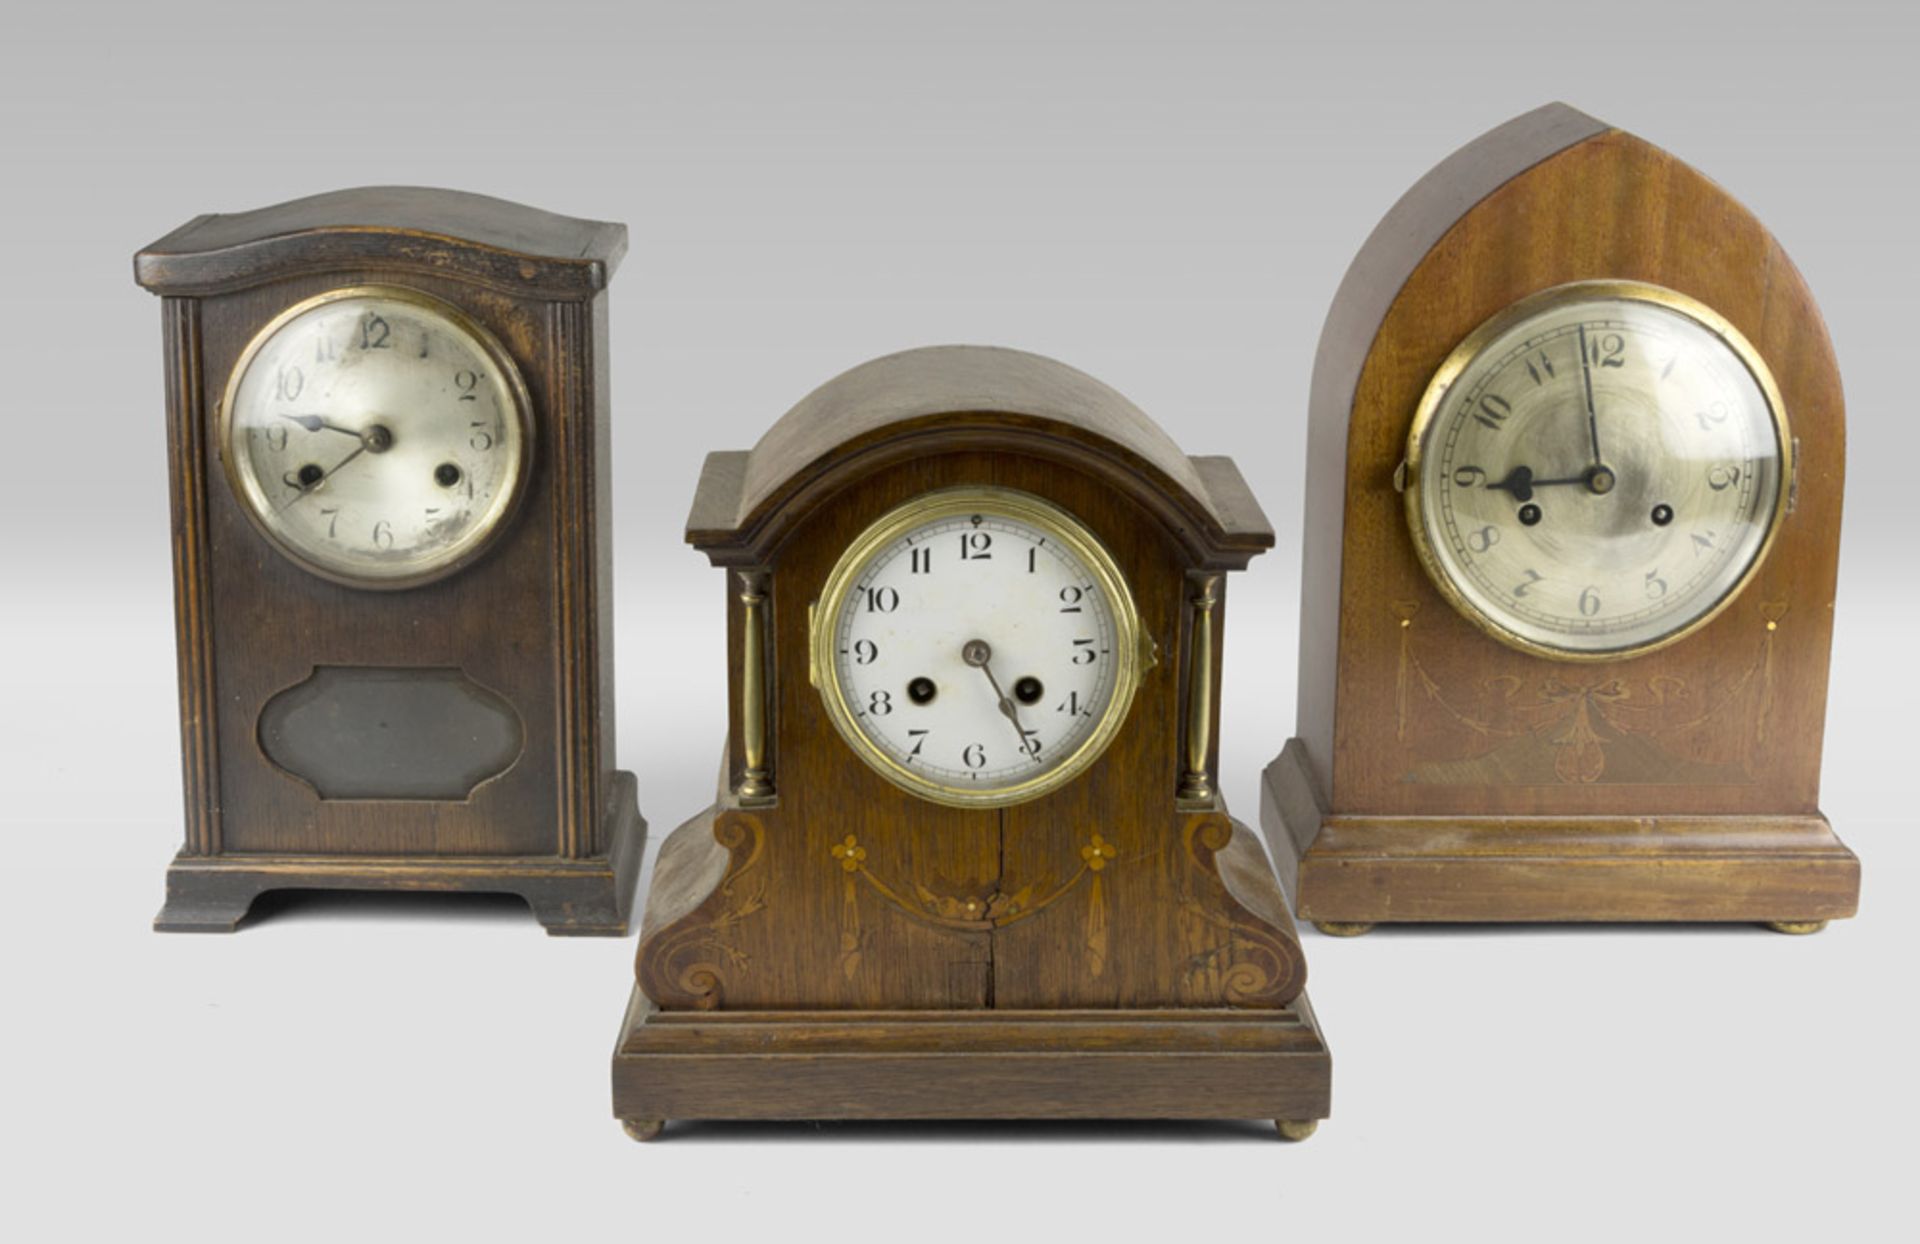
x=1572, y=524
x=388, y=435
x=967, y=857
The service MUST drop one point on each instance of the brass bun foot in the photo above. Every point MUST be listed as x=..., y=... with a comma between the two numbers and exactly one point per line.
x=1344, y=928
x=643, y=1129
x=1798, y=928
x=1296, y=1129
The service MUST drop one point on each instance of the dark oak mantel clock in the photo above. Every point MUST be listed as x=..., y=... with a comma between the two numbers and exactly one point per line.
x=967, y=857
x=1572, y=526
x=387, y=431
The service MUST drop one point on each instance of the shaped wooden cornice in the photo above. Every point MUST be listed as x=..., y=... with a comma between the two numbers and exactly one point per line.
x=511, y=247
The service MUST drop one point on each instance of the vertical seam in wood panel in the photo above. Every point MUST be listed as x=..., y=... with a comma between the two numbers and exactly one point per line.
x=999, y=883
x=186, y=435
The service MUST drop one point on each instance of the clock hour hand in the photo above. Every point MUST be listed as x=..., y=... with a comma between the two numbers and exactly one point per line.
x=978, y=653
x=377, y=439
x=1520, y=482
x=314, y=423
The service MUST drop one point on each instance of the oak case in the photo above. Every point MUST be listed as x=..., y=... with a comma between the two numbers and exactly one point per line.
x=1441, y=776
x=527, y=622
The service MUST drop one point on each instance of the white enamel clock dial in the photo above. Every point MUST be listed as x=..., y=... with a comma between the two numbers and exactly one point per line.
x=979, y=647
x=378, y=437
x=1597, y=471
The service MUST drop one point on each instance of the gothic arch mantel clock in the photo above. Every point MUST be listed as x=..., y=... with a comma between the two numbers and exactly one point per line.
x=1572, y=526
x=967, y=857
x=388, y=443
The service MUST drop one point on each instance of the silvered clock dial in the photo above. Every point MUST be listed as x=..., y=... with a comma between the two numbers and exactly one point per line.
x=1597, y=470
x=377, y=436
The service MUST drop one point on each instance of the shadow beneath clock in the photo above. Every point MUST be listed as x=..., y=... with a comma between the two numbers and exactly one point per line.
x=1492, y=929
x=996, y=1131
x=288, y=907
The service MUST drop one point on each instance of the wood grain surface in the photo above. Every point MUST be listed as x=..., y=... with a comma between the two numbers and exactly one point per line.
x=848, y=903
x=1406, y=709
x=529, y=621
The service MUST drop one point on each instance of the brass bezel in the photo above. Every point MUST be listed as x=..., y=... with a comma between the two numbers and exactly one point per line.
x=254, y=502
x=1059, y=526
x=1475, y=342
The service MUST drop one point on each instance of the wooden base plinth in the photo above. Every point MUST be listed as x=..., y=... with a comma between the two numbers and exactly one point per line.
x=816, y=1065
x=593, y=896
x=1362, y=870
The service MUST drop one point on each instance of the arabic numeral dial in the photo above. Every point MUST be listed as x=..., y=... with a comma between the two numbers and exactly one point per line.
x=1599, y=468
x=376, y=436
x=956, y=628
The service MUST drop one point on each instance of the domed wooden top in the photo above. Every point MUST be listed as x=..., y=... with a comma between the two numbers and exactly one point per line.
x=912, y=401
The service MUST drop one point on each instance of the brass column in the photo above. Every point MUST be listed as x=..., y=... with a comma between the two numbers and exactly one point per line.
x=1196, y=785
x=756, y=783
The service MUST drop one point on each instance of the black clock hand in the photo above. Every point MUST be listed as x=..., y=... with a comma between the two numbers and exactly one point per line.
x=314, y=423
x=978, y=653
x=1586, y=375
x=1521, y=483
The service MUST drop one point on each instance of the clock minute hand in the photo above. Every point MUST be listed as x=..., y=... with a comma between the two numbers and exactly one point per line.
x=1586, y=376
x=978, y=653
x=306, y=489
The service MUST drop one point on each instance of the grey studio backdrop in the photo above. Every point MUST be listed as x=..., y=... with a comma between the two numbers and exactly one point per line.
x=1163, y=195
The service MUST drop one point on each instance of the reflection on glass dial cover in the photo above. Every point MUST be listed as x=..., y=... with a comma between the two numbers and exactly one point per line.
x=982, y=647
x=376, y=435
x=1597, y=470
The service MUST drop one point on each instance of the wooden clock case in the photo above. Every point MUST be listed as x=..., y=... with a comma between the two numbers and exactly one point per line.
x=1441, y=776
x=526, y=628
x=821, y=944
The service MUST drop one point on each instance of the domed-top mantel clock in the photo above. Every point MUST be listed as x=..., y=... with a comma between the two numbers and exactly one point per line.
x=388, y=439
x=1572, y=524
x=968, y=858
